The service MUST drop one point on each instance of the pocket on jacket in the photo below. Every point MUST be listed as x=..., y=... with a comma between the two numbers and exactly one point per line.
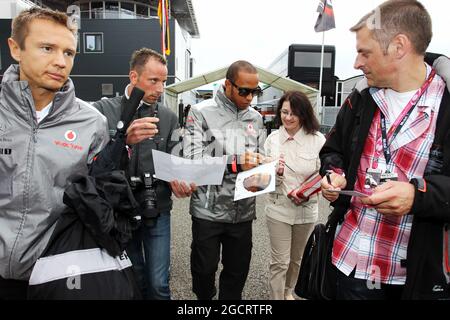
x=307, y=161
x=273, y=199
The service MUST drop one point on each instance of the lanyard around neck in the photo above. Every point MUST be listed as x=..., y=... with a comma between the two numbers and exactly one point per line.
x=401, y=120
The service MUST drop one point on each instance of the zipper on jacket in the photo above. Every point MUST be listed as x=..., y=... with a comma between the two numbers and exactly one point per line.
x=25, y=196
x=35, y=134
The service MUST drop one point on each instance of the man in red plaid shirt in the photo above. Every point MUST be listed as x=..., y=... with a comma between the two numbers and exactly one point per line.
x=384, y=143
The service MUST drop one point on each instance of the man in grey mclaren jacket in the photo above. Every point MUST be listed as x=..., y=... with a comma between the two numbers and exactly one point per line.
x=226, y=126
x=46, y=134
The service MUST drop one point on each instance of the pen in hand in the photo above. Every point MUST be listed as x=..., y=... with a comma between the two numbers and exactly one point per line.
x=328, y=175
x=289, y=167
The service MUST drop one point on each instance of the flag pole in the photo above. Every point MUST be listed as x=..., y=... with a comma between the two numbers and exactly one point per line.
x=319, y=98
x=163, y=31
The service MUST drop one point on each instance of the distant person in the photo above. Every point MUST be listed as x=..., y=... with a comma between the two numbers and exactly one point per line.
x=297, y=143
x=390, y=245
x=46, y=135
x=154, y=128
x=221, y=227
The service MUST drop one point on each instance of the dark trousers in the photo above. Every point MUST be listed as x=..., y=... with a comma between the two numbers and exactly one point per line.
x=149, y=251
x=236, y=242
x=13, y=289
x=350, y=288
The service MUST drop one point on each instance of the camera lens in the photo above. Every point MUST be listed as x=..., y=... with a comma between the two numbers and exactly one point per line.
x=145, y=195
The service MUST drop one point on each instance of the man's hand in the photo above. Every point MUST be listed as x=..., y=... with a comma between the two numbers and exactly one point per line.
x=141, y=129
x=181, y=190
x=338, y=182
x=250, y=160
x=392, y=198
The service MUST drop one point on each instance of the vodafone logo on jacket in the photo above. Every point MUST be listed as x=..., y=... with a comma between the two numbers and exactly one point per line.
x=251, y=129
x=70, y=135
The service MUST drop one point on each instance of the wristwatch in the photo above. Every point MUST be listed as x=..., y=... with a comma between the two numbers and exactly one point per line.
x=420, y=184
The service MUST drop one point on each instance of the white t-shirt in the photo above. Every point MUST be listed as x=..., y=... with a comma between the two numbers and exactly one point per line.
x=40, y=115
x=397, y=101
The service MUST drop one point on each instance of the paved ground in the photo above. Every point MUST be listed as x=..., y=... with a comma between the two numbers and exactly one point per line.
x=256, y=286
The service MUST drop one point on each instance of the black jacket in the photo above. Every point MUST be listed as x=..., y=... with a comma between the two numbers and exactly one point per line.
x=431, y=210
x=141, y=160
x=85, y=257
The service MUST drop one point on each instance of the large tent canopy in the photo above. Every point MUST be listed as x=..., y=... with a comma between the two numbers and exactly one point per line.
x=265, y=76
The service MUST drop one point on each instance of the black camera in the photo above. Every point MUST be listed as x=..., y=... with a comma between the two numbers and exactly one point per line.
x=145, y=194
x=141, y=179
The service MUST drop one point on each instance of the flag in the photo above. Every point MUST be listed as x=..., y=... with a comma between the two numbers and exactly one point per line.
x=163, y=14
x=325, y=20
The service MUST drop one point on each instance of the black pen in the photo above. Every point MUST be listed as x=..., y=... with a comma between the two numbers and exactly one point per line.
x=328, y=174
x=289, y=167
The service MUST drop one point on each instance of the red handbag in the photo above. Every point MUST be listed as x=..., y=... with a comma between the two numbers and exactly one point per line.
x=308, y=188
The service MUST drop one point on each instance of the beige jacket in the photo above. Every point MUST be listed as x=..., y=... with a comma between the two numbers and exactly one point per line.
x=302, y=155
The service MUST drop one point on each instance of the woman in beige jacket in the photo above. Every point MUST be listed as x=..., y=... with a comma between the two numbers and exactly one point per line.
x=296, y=144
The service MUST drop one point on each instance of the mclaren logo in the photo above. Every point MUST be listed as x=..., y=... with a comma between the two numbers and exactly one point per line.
x=3, y=129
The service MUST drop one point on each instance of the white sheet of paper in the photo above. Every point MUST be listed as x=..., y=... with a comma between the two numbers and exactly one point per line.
x=208, y=171
x=266, y=170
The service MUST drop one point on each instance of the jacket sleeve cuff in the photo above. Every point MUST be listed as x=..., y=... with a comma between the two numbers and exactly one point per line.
x=418, y=200
x=232, y=164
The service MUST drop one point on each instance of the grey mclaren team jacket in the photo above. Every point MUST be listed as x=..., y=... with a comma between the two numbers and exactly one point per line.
x=216, y=129
x=36, y=161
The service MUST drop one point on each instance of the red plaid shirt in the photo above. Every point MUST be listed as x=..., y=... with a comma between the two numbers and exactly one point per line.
x=373, y=243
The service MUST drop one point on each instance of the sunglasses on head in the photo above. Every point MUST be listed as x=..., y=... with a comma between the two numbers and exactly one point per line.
x=243, y=92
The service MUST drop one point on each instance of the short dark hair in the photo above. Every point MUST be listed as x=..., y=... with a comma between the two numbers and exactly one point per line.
x=19, y=25
x=408, y=17
x=140, y=57
x=240, y=65
x=302, y=108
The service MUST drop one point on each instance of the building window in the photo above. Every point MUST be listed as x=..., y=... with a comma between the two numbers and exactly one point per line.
x=187, y=65
x=112, y=10
x=85, y=10
x=97, y=10
x=93, y=42
x=107, y=89
x=142, y=11
x=153, y=12
x=127, y=10
x=191, y=67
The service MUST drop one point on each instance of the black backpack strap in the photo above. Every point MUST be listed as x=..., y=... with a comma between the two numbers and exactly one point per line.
x=430, y=57
x=442, y=133
x=443, y=118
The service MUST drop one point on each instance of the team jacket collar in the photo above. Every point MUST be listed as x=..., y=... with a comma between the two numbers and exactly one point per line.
x=17, y=95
